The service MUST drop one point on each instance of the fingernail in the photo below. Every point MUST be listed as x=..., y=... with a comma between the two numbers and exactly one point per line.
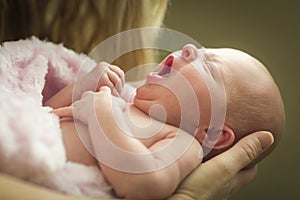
x=266, y=139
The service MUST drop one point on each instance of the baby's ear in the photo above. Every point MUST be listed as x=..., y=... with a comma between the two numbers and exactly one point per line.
x=225, y=139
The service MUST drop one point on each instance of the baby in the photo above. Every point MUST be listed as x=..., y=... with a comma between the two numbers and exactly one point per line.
x=143, y=148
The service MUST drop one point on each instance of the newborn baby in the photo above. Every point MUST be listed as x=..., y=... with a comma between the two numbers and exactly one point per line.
x=143, y=147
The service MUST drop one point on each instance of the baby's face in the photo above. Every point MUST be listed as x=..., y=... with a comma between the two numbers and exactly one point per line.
x=178, y=88
x=176, y=84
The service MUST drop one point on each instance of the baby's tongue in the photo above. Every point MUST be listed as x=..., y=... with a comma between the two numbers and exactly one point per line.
x=167, y=66
x=169, y=61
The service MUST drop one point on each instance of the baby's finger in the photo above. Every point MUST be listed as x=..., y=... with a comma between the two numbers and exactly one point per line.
x=115, y=93
x=117, y=82
x=119, y=72
x=109, y=91
x=113, y=77
x=64, y=112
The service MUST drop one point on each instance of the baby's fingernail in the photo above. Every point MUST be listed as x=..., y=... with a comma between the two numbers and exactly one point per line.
x=266, y=139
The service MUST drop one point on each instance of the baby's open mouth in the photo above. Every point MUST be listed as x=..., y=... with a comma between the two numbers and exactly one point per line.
x=166, y=69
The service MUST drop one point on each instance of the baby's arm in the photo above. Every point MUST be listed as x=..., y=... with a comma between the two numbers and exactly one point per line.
x=156, y=184
x=159, y=183
x=62, y=98
x=102, y=75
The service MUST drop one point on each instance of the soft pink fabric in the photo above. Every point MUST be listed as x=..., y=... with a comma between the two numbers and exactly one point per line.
x=31, y=145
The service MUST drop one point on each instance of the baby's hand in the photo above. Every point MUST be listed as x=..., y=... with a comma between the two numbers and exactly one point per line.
x=111, y=76
x=103, y=74
x=91, y=104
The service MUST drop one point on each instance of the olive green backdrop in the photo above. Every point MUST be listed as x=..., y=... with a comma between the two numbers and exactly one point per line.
x=270, y=31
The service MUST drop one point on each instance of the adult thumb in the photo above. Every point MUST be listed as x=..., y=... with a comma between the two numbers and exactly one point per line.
x=249, y=149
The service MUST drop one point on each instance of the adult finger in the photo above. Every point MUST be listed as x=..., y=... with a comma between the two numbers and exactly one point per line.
x=246, y=151
x=242, y=179
x=221, y=176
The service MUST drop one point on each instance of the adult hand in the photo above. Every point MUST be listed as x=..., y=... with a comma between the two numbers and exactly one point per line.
x=225, y=174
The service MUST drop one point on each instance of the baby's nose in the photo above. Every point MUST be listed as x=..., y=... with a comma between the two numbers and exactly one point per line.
x=189, y=52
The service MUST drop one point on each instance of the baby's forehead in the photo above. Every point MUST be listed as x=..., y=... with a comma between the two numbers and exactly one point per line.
x=234, y=60
x=237, y=68
x=223, y=54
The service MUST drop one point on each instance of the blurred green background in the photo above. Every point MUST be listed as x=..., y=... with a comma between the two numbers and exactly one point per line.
x=270, y=31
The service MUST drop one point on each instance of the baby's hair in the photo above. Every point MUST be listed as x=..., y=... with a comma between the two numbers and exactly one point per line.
x=255, y=107
x=248, y=112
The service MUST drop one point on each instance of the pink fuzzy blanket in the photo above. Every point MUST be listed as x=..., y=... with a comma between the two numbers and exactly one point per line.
x=31, y=145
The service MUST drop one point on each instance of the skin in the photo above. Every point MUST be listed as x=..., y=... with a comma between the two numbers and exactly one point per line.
x=163, y=181
x=235, y=67
x=151, y=94
x=216, y=179
x=145, y=183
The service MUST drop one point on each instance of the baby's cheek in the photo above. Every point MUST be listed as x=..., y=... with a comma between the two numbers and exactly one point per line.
x=144, y=93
